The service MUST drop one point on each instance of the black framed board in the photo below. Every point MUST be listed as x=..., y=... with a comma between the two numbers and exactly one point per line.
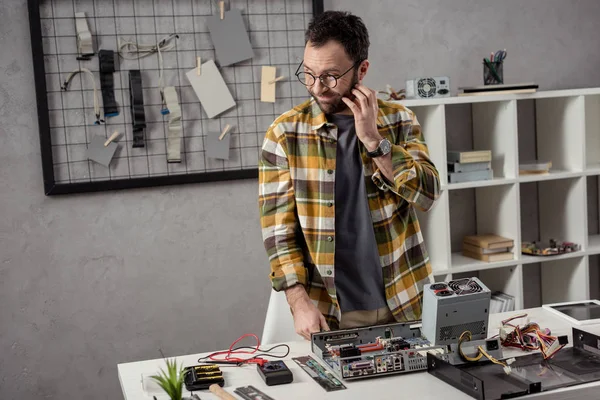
x=104, y=48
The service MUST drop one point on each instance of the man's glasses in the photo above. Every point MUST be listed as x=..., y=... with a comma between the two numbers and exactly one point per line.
x=329, y=80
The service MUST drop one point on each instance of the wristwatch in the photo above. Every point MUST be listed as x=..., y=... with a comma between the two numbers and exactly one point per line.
x=382, y=149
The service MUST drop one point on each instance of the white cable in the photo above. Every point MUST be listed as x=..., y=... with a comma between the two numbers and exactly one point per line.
x=96, y=101
x=133, y=51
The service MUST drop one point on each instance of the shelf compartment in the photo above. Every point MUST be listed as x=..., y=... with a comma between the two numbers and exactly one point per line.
x=564, y=280
x=485, y=126
x=553, y=210
x=483, y=210
x=560, y=133
x=592, y=133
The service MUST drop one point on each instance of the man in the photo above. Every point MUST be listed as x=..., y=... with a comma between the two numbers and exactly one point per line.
x=340, y=176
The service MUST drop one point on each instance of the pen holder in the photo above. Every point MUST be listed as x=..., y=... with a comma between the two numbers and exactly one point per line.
x=493, y=73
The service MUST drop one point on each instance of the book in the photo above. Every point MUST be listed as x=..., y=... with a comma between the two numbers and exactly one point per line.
x=535, y=167
x=489, y=257
x=457, y=156
x=468, y=167
x=481, y=250
x=497, y=92
x=458, y=177
x=501, y=88
x=488, y=241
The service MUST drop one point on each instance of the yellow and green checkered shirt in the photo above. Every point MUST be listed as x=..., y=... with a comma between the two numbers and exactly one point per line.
x=297, y=206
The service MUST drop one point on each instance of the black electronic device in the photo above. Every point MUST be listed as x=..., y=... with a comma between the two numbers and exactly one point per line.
x=200, y=377
x=275, y=373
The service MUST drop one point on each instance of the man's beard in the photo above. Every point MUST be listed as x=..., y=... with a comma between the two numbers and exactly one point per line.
x=336, y=104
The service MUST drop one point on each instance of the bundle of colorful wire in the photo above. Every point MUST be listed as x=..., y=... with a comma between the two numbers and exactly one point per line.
x=529, y=337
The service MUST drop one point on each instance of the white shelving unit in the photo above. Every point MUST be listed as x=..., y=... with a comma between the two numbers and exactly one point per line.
x=567, y=132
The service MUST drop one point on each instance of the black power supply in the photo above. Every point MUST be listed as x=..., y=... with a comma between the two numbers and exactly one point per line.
x=275, y=373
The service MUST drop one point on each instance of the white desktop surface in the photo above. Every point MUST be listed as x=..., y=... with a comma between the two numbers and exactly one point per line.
x=415, y=385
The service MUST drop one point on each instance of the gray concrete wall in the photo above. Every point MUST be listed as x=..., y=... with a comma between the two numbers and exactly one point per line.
x=89, y=281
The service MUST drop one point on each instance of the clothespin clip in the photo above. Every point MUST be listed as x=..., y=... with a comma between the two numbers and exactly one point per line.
x=222, y=9
x=227, y=127
x=276, y=80
x=111, y=138
x=198, y=65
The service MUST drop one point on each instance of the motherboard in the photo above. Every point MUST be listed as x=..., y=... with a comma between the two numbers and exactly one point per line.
x=375, y=350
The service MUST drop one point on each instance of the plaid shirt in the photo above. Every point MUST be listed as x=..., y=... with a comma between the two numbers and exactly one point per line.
x=297, y=206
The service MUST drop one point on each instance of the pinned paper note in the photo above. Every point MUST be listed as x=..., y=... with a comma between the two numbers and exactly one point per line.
x=230, y=37
x=268, y=84
x=217, y=144
x=213, y=93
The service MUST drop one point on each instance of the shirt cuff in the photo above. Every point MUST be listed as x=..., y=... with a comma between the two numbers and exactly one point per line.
x=287, y=276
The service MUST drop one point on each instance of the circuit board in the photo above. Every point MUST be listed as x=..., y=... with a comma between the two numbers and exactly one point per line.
x=374, y=351
x=316, y=371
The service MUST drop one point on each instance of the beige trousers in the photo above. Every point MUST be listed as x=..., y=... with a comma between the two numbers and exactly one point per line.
x=354, y=319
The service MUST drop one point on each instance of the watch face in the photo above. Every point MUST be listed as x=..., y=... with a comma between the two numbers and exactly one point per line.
x=386, y=146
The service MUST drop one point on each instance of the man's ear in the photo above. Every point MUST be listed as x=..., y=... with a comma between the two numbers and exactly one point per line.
x=362, y=69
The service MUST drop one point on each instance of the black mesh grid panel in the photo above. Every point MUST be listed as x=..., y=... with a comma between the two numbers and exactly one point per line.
x=276, y=32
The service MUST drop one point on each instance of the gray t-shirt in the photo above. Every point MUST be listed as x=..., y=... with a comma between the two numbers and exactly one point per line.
x=358, y=273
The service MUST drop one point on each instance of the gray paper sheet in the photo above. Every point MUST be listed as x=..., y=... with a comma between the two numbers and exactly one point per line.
x=216, y=148
x=230, y=38
x=213, y=93
x=100, y=154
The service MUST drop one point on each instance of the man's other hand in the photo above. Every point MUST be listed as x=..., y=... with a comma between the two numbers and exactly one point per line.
x=307, y=317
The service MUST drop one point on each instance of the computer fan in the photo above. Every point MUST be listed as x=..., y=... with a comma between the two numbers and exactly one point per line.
x=451, y=308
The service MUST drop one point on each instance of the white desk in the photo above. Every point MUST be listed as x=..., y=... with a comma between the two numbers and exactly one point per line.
x=417, y=385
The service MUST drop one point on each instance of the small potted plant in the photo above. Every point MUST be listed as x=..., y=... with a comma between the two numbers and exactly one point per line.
x=171, y=381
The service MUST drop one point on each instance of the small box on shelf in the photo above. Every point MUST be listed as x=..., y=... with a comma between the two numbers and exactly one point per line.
x=488, y=247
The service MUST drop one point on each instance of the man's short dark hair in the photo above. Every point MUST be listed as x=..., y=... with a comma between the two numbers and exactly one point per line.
x=343, y=27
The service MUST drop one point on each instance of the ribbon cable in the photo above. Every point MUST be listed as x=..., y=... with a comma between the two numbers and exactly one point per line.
x=138, y=117
x=85, y=47
x=107, y=84
x=174, y=138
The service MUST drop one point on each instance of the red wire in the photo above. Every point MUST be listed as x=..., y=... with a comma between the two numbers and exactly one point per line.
x=228, y=353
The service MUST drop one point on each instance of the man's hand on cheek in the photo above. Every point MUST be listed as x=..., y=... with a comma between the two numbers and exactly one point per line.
x=365, y=110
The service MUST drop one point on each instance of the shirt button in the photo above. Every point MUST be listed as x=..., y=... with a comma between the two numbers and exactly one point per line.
x=330, y=238
x=330, y=204
x=329, y=272
x=330, y=171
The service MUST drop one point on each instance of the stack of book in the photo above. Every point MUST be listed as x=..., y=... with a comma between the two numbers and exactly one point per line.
x=488, y=247
x=468, y=166
x=502, y=302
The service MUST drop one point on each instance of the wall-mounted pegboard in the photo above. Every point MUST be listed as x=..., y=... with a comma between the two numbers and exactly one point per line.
x=181, y=29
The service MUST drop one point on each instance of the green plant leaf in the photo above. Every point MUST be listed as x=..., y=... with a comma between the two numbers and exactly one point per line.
x=171, y=381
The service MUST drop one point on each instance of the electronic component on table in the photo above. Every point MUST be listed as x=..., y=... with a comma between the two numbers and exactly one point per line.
x=531, y=373
x=199, y=377
x=319, y=374
x=251, y=393
x=375, y=350
x=275, y=373
x=450, y=308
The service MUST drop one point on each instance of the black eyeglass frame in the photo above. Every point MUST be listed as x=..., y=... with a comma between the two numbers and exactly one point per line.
x=320, y=77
